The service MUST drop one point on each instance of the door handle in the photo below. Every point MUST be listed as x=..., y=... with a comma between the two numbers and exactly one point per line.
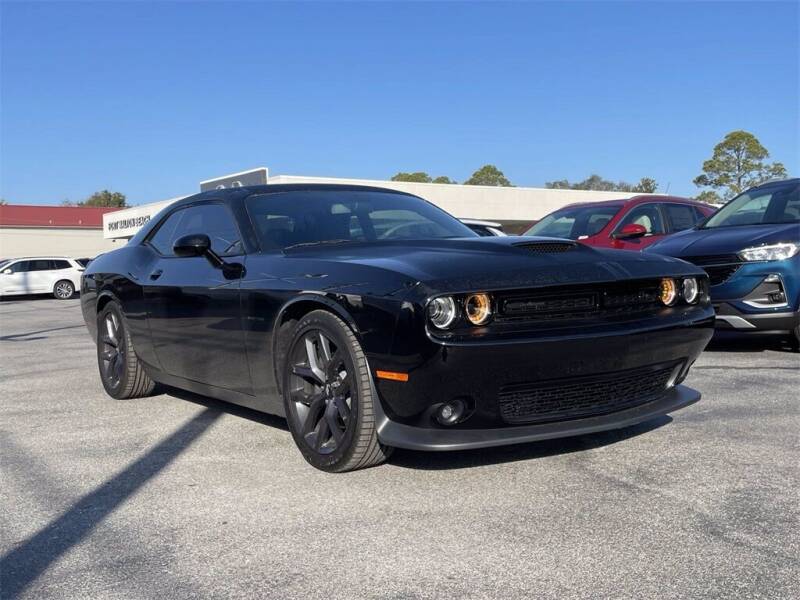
x=156, y=274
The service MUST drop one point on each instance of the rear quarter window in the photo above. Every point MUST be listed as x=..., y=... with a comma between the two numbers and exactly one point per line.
x=680, y=216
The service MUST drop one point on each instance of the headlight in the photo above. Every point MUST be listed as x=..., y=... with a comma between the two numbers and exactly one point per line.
x=478, y=308
x=780, y=251
x=442, y=312
x=669, y=291
x=691, y=290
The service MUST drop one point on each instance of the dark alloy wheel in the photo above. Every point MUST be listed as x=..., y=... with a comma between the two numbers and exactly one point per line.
x=120, y=370
x=64, y=289
x=328, y=396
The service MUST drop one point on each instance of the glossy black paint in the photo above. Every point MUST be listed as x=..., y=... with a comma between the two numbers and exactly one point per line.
x=223, y=330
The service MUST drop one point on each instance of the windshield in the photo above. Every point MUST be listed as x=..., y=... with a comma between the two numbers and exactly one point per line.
x=771, y=204
x=3, y=263
x=313, y=217
x=576, y=222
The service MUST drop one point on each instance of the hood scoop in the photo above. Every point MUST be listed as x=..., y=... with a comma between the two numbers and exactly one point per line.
x=549, y=247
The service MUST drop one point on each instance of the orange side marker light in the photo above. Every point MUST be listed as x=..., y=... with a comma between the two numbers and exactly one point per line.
x=392, y=375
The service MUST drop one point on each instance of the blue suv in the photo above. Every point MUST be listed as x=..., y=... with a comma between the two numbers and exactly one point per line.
x=750, y=249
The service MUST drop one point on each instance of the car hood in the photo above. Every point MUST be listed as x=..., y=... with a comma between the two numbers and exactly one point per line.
x=469, y=264
x=724, y=240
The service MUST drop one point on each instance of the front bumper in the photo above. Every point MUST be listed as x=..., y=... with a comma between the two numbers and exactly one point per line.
x=729, y=317
x=399, y=435
x=739, y=303
x=542, y=387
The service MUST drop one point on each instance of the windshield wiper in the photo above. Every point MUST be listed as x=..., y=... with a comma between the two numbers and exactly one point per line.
x=318, y=243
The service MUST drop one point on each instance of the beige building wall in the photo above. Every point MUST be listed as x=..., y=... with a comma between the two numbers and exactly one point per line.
x=40, y=241
x=478, y=201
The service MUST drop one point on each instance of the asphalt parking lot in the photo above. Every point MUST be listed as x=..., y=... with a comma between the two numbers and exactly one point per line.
x=183, y=496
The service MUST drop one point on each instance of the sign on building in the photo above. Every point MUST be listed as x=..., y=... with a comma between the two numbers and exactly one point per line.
x=251, y=177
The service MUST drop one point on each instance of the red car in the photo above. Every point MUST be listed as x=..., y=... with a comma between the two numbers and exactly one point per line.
x=628, y=224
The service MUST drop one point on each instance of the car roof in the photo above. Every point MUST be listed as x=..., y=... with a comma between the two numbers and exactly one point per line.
x=481, y=223
x=41, y=258
x=789, y=180
x=277, y=188
x=640, y=199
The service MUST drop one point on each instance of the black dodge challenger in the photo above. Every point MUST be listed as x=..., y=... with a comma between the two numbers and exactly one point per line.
x=371, y=319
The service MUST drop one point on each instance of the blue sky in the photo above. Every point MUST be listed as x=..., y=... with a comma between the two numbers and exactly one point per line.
x=150, y=98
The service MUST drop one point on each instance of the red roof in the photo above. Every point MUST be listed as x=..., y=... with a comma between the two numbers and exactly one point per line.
x=24, y=215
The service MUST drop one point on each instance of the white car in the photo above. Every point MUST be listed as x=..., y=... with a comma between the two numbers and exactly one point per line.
x=484, y=228
x=55, y=275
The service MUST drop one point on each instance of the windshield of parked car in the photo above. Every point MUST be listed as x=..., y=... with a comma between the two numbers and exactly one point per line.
x=575, y=222
x=772, y=204
x=287, y=219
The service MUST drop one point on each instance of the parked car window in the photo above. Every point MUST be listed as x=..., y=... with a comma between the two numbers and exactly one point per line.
x=680, y=216
x=39, y=265
x=646, y=215
x=212, y=219
x=699, y=214
x=22, y=266
x=575, y=222
x=292, y=218
x=60, y=264
x=773, y=204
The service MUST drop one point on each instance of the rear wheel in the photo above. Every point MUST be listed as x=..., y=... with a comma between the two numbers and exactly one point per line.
x=64, y=289
x=328, y=397
x=121, y=371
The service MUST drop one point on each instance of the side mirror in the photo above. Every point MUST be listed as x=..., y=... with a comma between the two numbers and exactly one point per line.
x=197, y=244
x=7, y=272
x=630, y=231
x=194, y=244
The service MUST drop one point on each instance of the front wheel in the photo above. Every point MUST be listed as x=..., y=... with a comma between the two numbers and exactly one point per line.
x=328, y=397
x=64, y=289
x=121, y=372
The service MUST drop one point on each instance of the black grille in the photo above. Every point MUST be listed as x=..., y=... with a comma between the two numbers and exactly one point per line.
x=547, y=247
x=579, y=302
x=719, y=267
x=572, y=398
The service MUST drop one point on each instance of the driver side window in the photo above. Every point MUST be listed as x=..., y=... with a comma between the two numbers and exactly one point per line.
x=213, y=219
x=646, y=215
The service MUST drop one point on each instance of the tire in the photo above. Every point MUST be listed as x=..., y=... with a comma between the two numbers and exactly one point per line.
x=796, y=338
x=328, y=398
x=64, y=289
x=121, y=372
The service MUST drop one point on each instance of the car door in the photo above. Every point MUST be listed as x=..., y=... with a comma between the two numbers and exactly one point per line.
x=647, y=215
x=193, y=307
x=40, y=276
x=15, y=277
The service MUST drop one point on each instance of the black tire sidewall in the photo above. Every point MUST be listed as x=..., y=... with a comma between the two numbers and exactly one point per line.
x=118, y=391
x=332, y=327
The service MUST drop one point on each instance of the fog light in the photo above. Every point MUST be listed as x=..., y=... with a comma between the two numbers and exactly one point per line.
x=669, y=291
x=777, y=297
x=451, y=412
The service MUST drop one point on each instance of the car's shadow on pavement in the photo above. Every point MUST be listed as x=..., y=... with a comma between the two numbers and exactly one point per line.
x=734, y=341
x=464, y=459
x=27, y=297
x=227, y=407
